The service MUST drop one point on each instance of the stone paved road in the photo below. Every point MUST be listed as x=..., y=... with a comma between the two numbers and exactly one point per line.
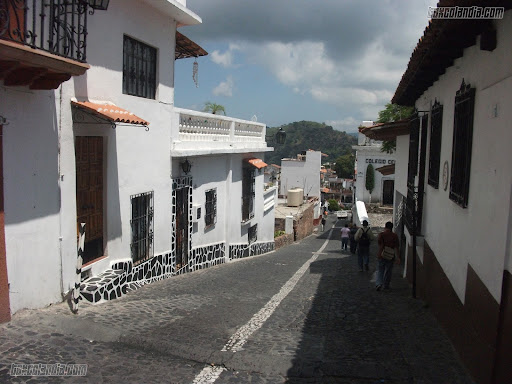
x=330, y=327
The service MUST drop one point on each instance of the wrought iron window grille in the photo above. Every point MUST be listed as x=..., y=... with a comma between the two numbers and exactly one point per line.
x=248, y=193
x=139, y=68
x=462, y=144
x=434, y=158
x=142, y=226
x=210, y=216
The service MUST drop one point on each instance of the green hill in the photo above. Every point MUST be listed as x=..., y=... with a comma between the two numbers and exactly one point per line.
x=304, y=135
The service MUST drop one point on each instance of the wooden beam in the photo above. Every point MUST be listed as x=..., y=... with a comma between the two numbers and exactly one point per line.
x=50, y=81
x=24, y=76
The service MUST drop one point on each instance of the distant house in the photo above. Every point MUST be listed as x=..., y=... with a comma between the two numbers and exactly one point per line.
x=301, y=172
x=453, y=190
x=162, y=190
x=368, y=151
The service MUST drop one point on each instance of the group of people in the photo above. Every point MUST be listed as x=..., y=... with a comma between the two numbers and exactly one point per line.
x=388, y=252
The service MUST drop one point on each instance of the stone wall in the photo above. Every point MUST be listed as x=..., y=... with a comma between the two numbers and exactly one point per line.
x=279, y=224
x=283, y=240
x=303, y=225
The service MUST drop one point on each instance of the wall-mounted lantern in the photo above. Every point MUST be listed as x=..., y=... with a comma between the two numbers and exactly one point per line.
x=186, y=166
x=279, y=138
x=100, y=5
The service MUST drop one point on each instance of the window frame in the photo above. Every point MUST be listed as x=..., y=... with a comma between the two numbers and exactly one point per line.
x=139, y=68
x=210, y=208
x=463, y=118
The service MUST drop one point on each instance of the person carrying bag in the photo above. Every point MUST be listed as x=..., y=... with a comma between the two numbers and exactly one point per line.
x=388, y=253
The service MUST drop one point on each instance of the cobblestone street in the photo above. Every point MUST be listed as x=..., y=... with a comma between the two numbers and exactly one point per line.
x=301, y=314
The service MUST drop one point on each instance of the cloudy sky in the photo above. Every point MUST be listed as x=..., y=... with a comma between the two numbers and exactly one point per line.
x=332, y=61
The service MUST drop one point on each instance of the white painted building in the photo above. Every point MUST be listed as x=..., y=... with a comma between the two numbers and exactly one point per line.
x=368, y=151
x=457, y=156
x=302, y=172
x=108, y=148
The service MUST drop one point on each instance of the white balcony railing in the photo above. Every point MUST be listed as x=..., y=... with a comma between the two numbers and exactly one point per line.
x=200, y=131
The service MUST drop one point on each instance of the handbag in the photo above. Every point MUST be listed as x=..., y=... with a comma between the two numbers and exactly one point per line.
x=388, y=253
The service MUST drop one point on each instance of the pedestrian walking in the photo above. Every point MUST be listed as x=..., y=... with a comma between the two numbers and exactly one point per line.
x=389, y=253
x=352, y=240
x=345, y=232
x=323, y=223
x=364, y=237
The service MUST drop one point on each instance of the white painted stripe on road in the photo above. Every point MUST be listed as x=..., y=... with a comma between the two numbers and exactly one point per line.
x=240, y=337
x=209, y=374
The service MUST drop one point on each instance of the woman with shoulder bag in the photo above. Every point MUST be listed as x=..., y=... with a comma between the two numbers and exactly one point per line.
x=388, y=254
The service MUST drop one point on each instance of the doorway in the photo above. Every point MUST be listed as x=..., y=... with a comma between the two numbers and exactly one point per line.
x=182, y=207
x=89, y=193
x=388, y=190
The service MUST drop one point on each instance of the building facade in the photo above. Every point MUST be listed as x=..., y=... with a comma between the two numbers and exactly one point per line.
x=368, y=152
x=302, y=172
x=453, y=199
x=161, y=190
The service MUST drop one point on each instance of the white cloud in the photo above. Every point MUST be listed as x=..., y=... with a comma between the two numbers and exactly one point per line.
x=225, y=59
x=225, y=88
x=348, y=124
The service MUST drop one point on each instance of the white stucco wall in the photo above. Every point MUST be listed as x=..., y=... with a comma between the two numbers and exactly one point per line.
x=39, y=173
x=475, y=235
x=302, y=174
x=366, y=155
x=31, y=193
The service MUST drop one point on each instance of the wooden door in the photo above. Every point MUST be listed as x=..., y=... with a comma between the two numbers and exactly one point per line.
x=182, y=225
x=5, y=313
x=89, y=193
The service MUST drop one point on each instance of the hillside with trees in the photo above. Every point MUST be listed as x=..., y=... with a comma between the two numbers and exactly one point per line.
x=304, y=135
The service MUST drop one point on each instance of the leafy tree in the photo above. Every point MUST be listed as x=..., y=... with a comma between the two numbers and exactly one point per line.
x=304, y=135
x=370, y=180
x=393, y=112
x=214, y=108
x=333, y=205
x=345, y=166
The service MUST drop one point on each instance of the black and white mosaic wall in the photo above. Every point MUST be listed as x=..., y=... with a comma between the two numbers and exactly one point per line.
x=208, y=256
x=238, y=251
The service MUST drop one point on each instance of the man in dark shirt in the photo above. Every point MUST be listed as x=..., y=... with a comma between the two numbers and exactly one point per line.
x=385, y=268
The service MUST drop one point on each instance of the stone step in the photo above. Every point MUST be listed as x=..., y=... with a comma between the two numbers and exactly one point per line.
x=109, y=285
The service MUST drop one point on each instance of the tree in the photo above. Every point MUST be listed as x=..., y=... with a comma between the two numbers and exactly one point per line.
x=344, y=166
x=333, y=205
x=393, y=112
x=214, y=108
x=370, y=180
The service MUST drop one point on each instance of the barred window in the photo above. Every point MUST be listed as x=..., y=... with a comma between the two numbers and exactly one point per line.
x=253, y=233
x=247, y=193
x=210, y=217
x=142, y=226
x=139, y=69
x=434, y=158
x=462, y=144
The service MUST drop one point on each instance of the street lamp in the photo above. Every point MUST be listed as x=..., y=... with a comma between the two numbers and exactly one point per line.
x=186, y=166
x=100, y=5
x=279, y=138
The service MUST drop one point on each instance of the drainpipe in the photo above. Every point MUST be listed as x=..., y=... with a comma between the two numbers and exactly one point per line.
x=414, y=218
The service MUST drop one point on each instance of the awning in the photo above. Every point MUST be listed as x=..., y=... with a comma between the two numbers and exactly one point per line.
x=187, y=48
x=386, y=131
x=387, y=169
x=110, y=112
x=258, y=163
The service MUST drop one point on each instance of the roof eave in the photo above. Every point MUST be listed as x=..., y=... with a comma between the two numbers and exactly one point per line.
x=177, y=11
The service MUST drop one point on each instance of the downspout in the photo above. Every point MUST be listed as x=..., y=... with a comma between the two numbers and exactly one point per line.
x=60, y=179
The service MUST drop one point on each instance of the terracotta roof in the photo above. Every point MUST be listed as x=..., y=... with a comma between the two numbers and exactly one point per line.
x=187, y=48
x=110, y=112
x=442, y=42
x=275, y=165
x=258, y=163
x=386, y=131
x=387, y=169
x=323, y=170
x=325, y=190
